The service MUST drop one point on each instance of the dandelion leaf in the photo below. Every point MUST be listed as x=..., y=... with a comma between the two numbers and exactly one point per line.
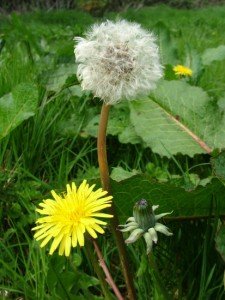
x=118, y=125
x=213, y=54
x=179, y=118
x=62, y=77
x=200, y=202
x=168, y=52
x=218, y=164
x=119, y=173
x=220, y=241
x=194, y=61
x=17, y=106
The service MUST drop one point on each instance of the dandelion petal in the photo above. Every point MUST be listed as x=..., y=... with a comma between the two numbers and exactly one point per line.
x=163, y=229
x=70, y=215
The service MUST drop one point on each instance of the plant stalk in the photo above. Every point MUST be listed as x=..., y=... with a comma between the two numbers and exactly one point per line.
x=105, y=180
x=105, y=269
x=98, y=270
x=157, y=277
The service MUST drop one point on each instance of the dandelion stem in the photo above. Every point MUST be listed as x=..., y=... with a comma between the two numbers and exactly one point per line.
x=104, y=173
x=157, y=278
x=102, y=153
x=98, y=270
x=109, y=278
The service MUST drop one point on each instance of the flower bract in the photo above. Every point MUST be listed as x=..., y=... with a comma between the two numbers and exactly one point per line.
x=144, y=223
x=182, y=70
x=118, y=60
x=68, y=217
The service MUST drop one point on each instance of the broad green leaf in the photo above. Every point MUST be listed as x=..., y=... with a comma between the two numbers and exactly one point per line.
x=92, y=126
x=174, y=114
x=221, y=103
x=198, y=202
x=76, y=259
x=220, y=241
x=17, y=106
x=64, y=74
x=118, y=125
x=129, y=135
x=65, y=283
x=169, y=73
x=213, y=54
x=167, y=50
x=119, y=174
x=194, y=61
x=218, y=164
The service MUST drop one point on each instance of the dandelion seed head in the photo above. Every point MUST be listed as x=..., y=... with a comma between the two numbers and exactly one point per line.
x=118, y=60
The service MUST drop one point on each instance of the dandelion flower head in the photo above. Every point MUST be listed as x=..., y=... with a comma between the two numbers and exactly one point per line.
x=118, y=60
x=182, y=70
x=67, y=217
x=144, y=223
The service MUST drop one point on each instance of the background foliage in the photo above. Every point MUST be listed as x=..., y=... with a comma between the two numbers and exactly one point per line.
x=48, y=137
x=98, y=7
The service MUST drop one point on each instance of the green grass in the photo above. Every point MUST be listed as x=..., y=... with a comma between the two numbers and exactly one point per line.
x=41, y=155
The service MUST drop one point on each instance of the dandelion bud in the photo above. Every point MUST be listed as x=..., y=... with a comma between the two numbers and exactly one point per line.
x=144, y=215
x=144, y=223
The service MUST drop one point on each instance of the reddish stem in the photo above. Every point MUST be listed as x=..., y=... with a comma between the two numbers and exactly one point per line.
x=109, y=278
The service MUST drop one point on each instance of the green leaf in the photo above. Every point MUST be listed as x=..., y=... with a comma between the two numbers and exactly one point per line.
x=63, y=75
x=77, y=118
x=66, y=281
x=221, y=103
x=198, y=202
x=167, y=50
x=119, y=174
x=143, y=267
x=213, y=54
x=129, y=135
x=17, y=106
x=220, y=241
x=169, y=73
x=118, y=125
x=76, y=259
x=218, y=164
x=175, y=114
x=194, y=61
x=86, y=281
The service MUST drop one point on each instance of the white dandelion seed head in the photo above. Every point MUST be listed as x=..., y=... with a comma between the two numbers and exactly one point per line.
x=118, y=60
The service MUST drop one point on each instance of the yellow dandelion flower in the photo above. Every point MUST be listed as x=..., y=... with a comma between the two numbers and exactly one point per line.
x=182, y=70
x=69, y=216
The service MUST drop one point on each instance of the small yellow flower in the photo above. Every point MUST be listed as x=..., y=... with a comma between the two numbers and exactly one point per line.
x=67, y=217
x=182, y=70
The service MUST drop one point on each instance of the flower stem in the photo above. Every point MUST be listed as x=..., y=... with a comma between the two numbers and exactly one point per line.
x=98, y=270
x=157, y=277
x=104, y=173
x=109, y=278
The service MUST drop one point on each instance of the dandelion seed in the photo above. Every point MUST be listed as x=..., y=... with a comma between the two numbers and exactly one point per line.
x=68, y=217
x=182, y=70
x=118, y=60
x=144, y=223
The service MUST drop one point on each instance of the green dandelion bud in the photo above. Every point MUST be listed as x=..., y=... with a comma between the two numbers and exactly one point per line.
x=144, y=215
x=144, y=223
